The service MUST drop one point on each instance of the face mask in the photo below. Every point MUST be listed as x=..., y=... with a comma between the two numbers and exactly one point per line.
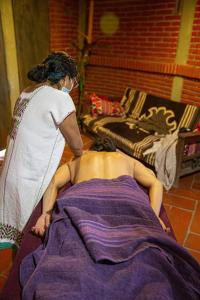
x=66, y=90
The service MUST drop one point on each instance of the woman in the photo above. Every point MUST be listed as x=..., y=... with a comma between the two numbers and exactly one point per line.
x=44, y=118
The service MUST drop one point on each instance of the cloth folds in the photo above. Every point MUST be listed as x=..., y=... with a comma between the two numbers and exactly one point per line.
x=105, y=242
x=165, y=158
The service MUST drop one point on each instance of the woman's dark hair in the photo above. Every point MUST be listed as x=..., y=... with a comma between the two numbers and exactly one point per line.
x=55, y=67
x=103, y=144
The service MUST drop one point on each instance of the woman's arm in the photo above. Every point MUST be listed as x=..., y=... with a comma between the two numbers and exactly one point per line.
x=147, y=178
x=70, y=131
x=61, y=177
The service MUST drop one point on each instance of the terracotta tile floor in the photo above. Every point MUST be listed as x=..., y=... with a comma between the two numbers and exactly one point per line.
x=182, y=205
x=183, y=208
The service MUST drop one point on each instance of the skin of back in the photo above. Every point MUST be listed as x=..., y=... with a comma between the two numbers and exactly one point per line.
x=106, y=165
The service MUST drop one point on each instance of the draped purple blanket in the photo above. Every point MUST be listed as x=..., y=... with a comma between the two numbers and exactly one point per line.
x=106, y=243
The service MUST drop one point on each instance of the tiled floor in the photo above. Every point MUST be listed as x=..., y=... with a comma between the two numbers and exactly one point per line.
x=183, y=208
x=182, y=205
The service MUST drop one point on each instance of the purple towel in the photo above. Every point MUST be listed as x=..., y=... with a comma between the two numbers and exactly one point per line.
x=105, y=242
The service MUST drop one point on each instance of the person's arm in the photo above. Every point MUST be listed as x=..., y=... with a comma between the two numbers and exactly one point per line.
x=69, y=129
x=147, y=178
x=61, y=177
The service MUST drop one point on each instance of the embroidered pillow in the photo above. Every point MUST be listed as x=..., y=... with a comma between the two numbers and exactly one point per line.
x=101, y=106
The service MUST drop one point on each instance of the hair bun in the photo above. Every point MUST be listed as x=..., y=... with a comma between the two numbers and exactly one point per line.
x=55, y=67
x=38, y=73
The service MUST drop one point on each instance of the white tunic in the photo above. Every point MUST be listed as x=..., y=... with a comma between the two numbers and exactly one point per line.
x=32, y=157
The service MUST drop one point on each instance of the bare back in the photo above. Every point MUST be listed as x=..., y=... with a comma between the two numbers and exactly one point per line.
x=106, y=165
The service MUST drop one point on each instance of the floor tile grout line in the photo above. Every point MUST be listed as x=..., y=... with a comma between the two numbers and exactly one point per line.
x=179, y=206
x=174, y=193
x=185, y=209
x=182, y=197
x=197, y=251
x=190, y=224
x=195, y=233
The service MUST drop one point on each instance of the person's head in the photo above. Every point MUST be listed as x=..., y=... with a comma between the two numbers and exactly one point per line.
x=103, y=144
x=58, y=69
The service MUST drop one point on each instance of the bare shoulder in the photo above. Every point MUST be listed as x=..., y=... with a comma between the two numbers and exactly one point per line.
x=137, y=166
x=63, y=170
x=126, y=157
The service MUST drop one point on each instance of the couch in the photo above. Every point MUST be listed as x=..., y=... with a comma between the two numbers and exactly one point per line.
x=159, y=132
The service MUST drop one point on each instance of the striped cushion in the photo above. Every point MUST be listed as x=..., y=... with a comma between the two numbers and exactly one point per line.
x=133, y=101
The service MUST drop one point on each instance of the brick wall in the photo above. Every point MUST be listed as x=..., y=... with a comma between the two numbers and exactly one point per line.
x=63, y=24
x=191, y=92
x=142, y=51
x=147, y=33
x=108, y=81
x=148, y=30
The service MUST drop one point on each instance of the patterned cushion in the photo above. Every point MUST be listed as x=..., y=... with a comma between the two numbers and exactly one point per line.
x=169, y=114
x=103, y=107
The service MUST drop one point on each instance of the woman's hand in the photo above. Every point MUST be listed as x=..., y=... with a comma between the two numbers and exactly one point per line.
x=76, y=157
x=42, y=224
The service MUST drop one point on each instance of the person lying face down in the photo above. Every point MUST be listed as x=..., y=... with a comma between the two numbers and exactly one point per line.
x=104, y=162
